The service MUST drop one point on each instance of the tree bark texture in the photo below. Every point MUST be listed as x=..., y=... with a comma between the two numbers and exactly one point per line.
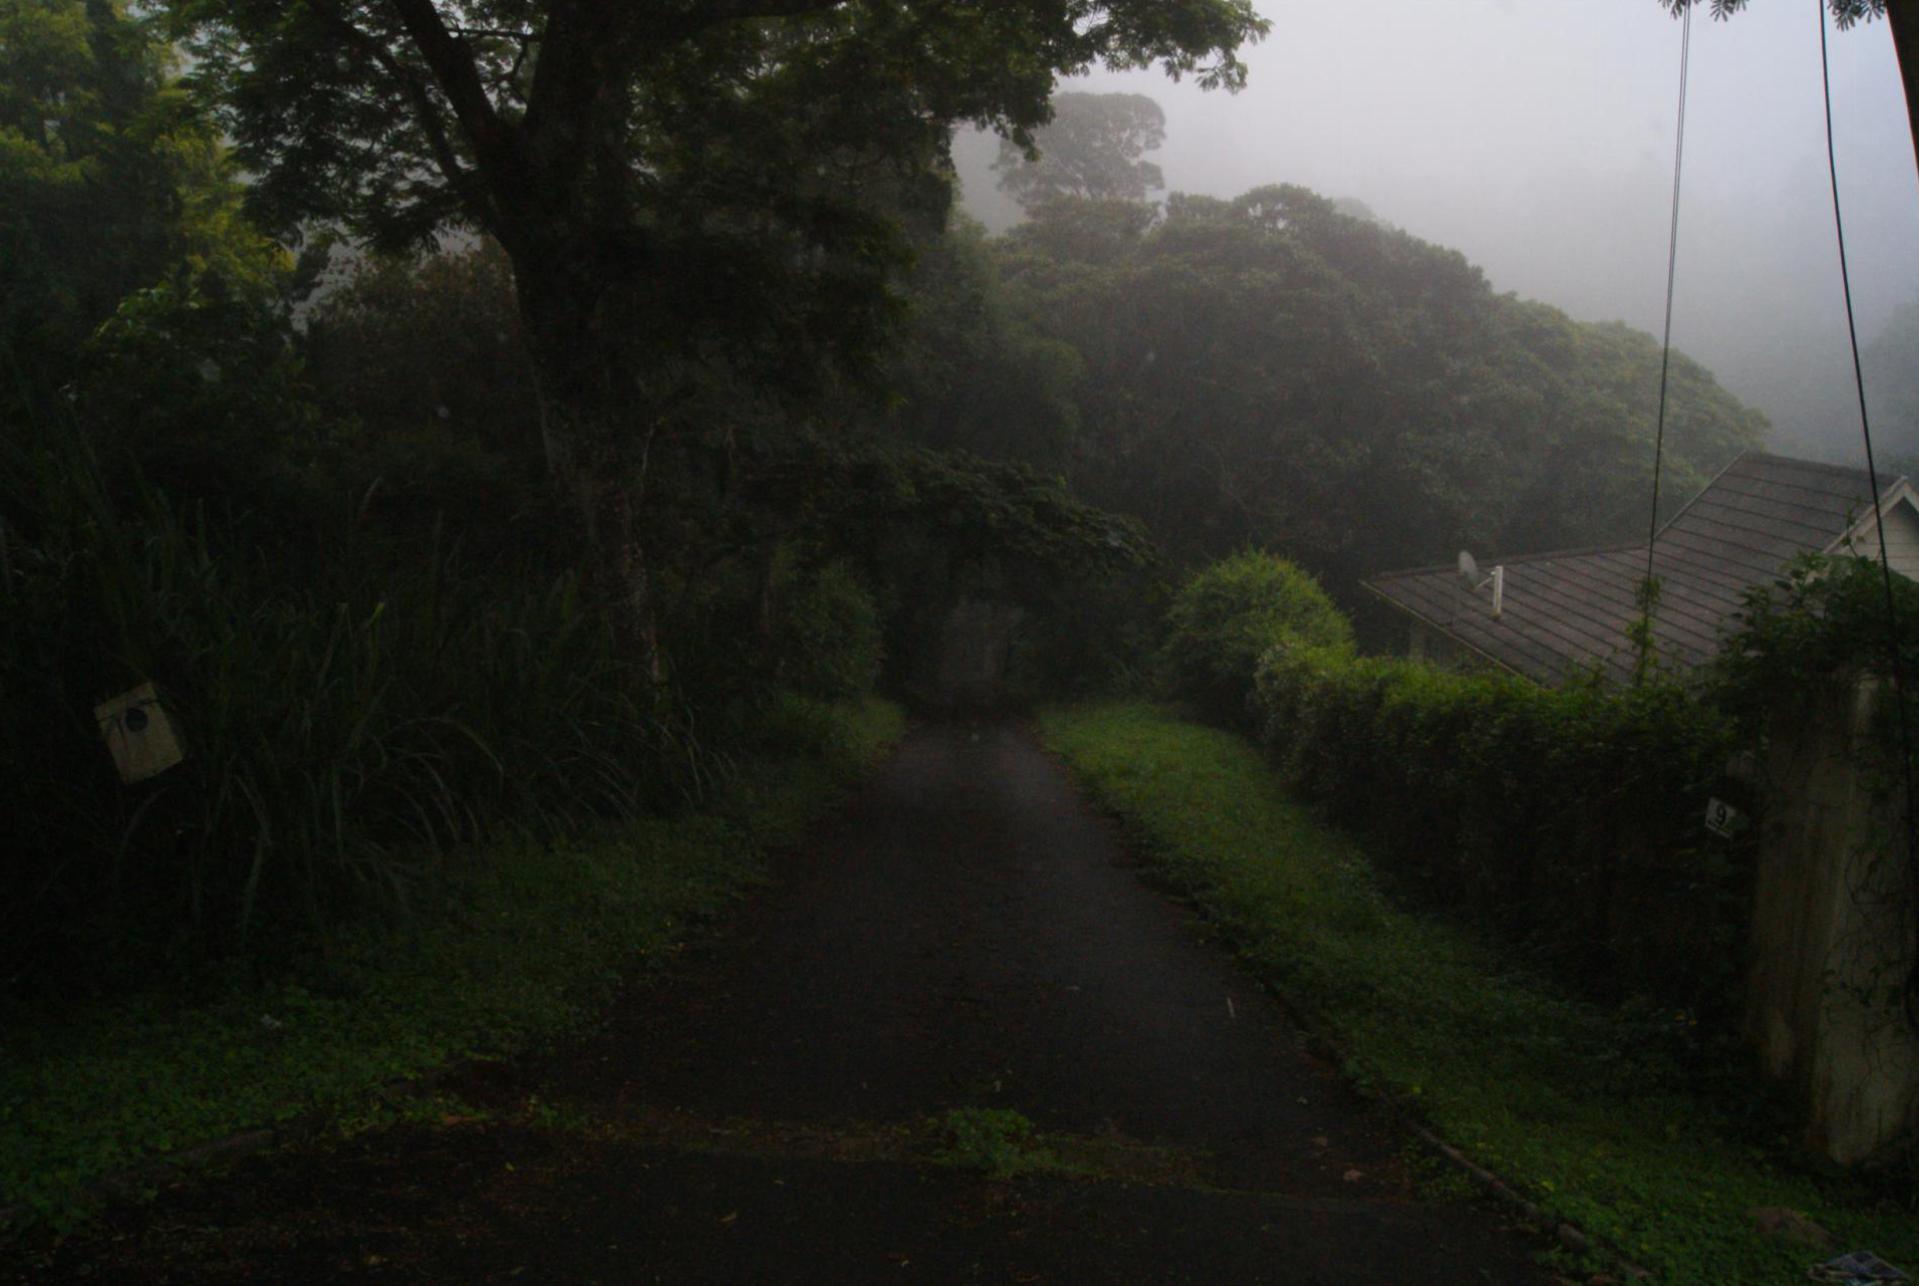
x=1902, y=16
x=598, y=435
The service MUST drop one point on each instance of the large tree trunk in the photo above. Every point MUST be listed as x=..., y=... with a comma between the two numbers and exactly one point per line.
x=1903, y=17
x=598, y=436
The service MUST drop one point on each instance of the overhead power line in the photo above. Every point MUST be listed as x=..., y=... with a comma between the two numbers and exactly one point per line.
x=1672, y=269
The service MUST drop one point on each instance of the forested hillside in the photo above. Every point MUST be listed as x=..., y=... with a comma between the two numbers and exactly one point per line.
x=1269, y=370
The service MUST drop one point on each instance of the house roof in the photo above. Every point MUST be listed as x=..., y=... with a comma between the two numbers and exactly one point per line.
x=1566, y=613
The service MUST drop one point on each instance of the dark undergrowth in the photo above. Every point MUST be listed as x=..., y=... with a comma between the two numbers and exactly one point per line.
x=526, y=947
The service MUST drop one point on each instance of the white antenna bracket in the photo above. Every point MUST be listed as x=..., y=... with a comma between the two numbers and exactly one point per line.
x=1496, y=580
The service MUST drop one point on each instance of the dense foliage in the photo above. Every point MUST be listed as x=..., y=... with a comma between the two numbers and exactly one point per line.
x=346, y=728
x=1824, y=618
x=104, y=166
x=326, y=523
x=323, y=526
x=1092, y=147
x=698, y=201
x=1271, y=371
x=1568, y=820
x=1227, y=616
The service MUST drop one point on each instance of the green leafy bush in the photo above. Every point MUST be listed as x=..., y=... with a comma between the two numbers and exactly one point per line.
x=1824, y=620
x=1228, y=615
x=1570, y=820
x=832, y=635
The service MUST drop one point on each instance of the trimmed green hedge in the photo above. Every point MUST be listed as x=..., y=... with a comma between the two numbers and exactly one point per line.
x=1569, y=820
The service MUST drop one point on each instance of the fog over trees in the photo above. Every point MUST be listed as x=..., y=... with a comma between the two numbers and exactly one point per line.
x=1538, y=141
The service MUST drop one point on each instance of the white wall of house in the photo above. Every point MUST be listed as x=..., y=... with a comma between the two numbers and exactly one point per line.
x=1902, y=536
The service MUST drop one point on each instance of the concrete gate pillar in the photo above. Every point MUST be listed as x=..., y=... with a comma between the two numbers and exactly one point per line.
x=1832, y=934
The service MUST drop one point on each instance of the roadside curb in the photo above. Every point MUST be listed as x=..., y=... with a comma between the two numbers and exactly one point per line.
x=1317, y=1031
x=1568, y=1234
x=1564, y=1231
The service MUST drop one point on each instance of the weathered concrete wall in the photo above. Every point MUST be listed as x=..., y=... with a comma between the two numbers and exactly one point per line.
x=1832, y=932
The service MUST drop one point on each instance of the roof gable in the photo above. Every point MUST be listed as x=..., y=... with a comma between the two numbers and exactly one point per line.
x=1568, y=613
x=1863, y=534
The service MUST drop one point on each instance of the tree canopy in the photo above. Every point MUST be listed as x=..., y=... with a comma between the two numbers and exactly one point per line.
x=694, y=196
x=654, y=168
x=1270, y=371
x=106, y=174
x=1091, y=148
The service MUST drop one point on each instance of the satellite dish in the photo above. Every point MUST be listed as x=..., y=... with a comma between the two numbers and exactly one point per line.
x=1495, y=580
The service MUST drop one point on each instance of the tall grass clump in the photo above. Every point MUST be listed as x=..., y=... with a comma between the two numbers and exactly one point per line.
x=350, y=719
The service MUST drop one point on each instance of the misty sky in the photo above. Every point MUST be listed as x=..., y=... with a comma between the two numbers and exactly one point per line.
x=1536, y=136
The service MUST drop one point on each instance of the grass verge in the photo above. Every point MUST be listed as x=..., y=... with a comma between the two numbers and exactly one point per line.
x=536, y=943
x=1590, y=1113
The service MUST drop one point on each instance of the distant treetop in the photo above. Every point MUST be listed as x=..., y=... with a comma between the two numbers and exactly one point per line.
x=1091, y=149
x=1846, y=11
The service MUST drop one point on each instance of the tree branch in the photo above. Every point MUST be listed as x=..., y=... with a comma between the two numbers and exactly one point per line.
x=458, y=77
x=509, y=33
x=664, y=30
x=446, y=157
x=569, y=87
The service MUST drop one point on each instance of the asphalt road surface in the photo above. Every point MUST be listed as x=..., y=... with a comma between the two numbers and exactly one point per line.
x=965, y=936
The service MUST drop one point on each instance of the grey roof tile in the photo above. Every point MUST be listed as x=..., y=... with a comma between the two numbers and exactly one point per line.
x=1569, y=611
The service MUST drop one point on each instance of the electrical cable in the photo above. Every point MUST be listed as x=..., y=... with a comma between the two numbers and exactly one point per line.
x=1878, y=512
x=1672, y=266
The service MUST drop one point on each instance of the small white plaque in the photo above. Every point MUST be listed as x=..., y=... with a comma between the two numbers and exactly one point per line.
x=138, y=734
x=1722, y=819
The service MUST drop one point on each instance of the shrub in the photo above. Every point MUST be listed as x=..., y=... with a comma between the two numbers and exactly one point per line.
x=1568, y=819
x=1228, y=615
x=832, y=636
x=1823, y=621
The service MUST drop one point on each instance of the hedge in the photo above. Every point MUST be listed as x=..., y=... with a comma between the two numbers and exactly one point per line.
x=1569, y=820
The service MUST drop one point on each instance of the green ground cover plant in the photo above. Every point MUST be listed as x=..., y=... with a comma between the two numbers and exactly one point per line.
x=997, y=1141
x=529, y=947
x=1597, y=1114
